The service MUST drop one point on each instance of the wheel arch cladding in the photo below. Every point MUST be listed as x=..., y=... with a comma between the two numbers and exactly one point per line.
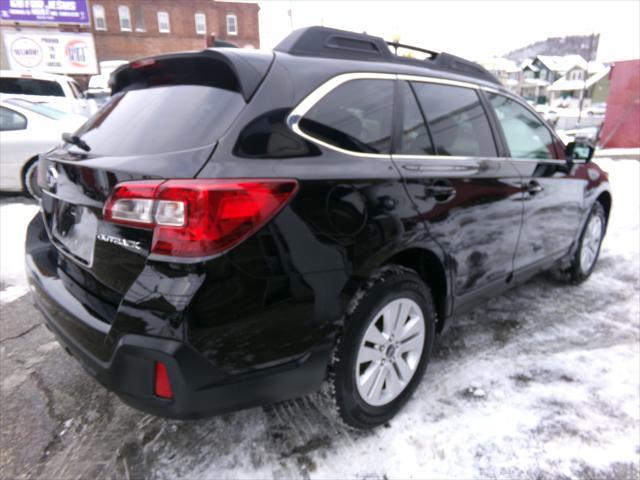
x=605, y=200
x=431, y=271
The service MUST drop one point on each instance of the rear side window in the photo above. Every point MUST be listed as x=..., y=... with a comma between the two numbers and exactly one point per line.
x=30, y=86
x=354, y=116
x=11, y=120
x=161, y=120
x=526, y=135
x=456, y=120
x=415, y=138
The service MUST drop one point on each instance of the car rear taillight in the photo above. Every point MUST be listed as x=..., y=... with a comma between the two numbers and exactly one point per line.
x=197, y=218
x=162, y=384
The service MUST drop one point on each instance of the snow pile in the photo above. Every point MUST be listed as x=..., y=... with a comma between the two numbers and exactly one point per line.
x=14, y=218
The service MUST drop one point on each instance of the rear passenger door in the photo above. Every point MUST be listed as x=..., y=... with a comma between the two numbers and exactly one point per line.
x=467, y=196
x=553, y=198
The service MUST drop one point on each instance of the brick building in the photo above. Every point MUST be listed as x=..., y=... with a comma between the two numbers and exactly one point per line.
x=128, y=29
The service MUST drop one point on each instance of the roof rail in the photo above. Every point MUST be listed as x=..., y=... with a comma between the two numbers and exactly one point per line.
x=332, y=43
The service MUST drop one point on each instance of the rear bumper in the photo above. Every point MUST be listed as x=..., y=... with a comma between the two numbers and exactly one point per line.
x=124, y=363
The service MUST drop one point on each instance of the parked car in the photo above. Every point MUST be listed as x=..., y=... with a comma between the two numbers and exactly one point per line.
x=26, y=130
x=237, y=227
x=61, y=92
x=99, y=89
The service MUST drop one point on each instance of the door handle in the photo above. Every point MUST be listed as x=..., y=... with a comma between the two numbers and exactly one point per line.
x=533, y=187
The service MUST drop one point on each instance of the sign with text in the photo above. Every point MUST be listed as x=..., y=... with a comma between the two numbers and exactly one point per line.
x=52, y=52
x=45, y=11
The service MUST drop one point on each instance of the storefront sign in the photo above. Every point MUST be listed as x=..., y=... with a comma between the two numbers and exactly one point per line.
x=54, y=52
x=45, y=11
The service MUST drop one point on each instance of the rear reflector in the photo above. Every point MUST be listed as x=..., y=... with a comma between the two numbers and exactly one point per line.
x=198, y=218
x=162, y=386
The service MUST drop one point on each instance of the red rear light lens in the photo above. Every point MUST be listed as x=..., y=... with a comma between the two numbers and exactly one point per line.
x=162, y=387
x=196, y=218
x=145, y=62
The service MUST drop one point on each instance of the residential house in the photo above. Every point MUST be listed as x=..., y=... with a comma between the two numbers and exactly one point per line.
x=540, y=72
x=592, y=79
x=505, y=70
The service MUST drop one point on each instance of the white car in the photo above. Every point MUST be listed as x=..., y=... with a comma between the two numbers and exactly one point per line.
x=26, y=130
x=62, y=93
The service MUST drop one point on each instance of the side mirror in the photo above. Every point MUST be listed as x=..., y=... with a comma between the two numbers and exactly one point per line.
x=578, y=150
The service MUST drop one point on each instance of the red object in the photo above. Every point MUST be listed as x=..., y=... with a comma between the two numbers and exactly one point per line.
x=219, y=214
x=162, y=387
x=621, y=128
x=145, y=62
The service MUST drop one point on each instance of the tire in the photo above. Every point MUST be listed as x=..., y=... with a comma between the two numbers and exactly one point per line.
x=586, y=256
x=352, y=376
x=30, y=180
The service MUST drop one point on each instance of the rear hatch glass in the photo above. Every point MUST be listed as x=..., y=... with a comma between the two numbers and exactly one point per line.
x=160, y=123
x=160, y=120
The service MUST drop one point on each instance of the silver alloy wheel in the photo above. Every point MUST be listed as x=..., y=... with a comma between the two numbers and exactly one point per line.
x=390, y=351
x=590, y=243
x=31, y=181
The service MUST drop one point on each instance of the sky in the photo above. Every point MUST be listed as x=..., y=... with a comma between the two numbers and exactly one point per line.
x=471, y=29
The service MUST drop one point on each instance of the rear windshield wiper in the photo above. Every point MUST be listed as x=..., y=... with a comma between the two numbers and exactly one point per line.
x=75, y=140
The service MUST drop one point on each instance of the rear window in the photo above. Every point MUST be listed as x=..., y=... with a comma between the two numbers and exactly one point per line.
x=30, y=86
x=161, y=120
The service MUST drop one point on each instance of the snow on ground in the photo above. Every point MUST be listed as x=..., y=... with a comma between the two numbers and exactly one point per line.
x=542, y=382
x=15, y=215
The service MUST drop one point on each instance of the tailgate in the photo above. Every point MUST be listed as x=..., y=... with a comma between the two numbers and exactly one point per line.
x=161, y=123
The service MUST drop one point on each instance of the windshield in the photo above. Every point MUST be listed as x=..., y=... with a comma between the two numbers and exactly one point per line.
x=37, y=108
x=161, y=120
x=30, y=86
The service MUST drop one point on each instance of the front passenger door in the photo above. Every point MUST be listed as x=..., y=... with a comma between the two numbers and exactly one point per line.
x=464, y=193
x=553, y=198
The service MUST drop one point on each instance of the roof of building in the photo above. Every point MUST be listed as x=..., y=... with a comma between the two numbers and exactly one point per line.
x=557, y=63
x=500, y=64
x=565, y=84
x=535, y=82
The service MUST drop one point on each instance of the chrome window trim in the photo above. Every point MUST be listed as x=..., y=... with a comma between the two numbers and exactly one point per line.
x=316, y=95
x=398, y=156
x=293, y=119
x=441, y=81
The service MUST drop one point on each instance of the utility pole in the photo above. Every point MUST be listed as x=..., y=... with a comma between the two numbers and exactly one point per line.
x=290, y=12
x=586, y=76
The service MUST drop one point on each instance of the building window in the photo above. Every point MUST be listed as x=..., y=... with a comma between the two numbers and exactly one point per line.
x=576, y=75
x=99, y=20
x=201, y=23
x=139, y=18
x=232, y=24
x=125, y=18
x=163, y=22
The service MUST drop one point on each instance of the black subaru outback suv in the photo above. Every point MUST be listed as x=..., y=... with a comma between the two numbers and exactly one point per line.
x=236, y=227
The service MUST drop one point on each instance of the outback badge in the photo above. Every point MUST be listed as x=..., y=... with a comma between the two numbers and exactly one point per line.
x=123, y=242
